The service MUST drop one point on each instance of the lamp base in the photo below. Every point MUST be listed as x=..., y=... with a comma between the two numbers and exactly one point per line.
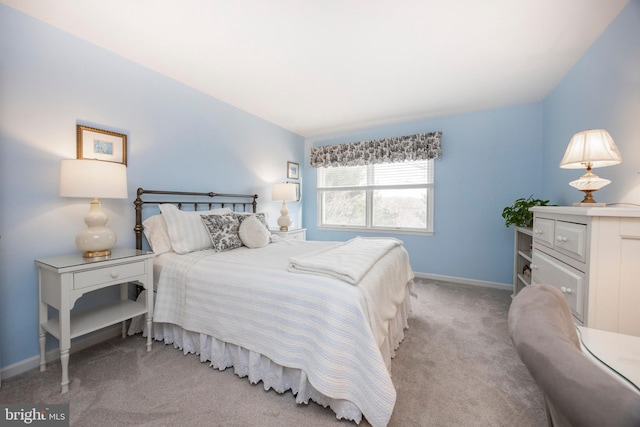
x=96, y=240
x=588, y=197
x=284, y=221
x=97, y=254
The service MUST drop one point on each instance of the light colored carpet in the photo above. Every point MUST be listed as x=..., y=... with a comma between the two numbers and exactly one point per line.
x=456, y=367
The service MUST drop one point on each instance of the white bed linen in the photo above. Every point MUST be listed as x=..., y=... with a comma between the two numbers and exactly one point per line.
x=349, y=261
x=329, y=332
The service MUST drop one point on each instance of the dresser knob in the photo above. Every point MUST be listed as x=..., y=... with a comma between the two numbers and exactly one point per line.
x=114, y=274
x=566, y=290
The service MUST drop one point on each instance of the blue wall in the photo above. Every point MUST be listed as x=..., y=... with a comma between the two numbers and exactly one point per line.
x=489, y=159
x=179, y=139
x=601, y=91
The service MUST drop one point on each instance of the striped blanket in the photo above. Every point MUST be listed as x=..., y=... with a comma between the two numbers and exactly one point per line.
x=329, y=329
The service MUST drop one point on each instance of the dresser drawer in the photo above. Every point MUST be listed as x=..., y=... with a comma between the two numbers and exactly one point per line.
x=571, y=240
x=107, y=274
x=543, y=231
x=571, y=282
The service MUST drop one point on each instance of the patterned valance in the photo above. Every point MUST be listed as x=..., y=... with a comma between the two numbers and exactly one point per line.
x=423, y=146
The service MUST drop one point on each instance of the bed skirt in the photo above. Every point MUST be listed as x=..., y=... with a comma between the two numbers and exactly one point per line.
x=257, y=367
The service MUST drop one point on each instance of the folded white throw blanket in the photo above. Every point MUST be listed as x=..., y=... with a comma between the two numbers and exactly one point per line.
x=348, y=261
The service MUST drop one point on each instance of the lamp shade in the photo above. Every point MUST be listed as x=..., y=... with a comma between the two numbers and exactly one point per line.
x=93, y=178
x=284, y=192
x=594, y=147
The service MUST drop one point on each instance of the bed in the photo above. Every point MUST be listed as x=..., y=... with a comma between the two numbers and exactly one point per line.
x=272, y=311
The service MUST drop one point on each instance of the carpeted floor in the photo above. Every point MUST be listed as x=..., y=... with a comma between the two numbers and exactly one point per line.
x=456, y=367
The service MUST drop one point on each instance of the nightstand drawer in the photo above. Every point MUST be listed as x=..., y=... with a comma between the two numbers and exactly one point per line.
x=107, y=274
x=296, y=236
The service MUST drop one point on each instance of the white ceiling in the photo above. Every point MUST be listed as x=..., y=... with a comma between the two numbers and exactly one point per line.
x=317, y=67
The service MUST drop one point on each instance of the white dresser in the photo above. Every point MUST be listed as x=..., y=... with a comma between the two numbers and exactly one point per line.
x=592, y=254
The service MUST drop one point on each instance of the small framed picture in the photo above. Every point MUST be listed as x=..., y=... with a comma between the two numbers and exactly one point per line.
x=100, y=144
x=298, y=195
x=293, y=170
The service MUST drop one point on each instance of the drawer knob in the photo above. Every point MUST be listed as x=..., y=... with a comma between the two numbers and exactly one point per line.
x=566, y=290
x=114, y=274
x=561, y=238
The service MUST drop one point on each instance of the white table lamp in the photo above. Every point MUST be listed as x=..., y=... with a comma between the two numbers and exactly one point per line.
x=589, y=149
x=94, y=179
x=285, y=192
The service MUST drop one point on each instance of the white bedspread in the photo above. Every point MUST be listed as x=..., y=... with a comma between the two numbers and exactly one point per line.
x=329, y=329
x=349, y=261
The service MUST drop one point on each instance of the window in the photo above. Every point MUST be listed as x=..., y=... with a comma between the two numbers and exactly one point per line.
x=377, y=197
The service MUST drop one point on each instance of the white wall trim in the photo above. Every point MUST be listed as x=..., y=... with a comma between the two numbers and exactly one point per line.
x=495, y=285
x=53, y=355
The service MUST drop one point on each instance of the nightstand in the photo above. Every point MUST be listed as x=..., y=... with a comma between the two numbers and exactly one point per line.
x=63, y=280
x=293, y=234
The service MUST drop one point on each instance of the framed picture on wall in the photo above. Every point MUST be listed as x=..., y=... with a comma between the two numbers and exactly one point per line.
x=293, y=170
x=101, y=144
x=298, y=195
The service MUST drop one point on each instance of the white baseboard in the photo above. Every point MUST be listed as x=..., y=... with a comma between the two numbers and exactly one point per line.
x=51, y=355
x=495, y=285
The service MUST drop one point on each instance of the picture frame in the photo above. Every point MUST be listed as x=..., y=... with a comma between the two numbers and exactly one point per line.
x=298, y=195
x=99, y=144
x=293, y=170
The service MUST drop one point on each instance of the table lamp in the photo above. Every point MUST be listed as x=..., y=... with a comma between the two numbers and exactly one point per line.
x=285, y=192
x=94, y=179
x=593, y=148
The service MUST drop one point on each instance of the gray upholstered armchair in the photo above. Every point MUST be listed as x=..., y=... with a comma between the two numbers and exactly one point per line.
x=576, y=391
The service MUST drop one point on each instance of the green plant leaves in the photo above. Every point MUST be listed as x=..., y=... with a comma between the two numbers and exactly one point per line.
x=518, y=214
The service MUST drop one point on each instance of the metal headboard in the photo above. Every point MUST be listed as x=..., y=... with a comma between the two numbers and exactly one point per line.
x=233, y=201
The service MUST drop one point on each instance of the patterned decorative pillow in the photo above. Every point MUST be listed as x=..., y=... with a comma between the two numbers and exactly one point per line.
x=253, y=232
x=244, y=215
x=223, y=231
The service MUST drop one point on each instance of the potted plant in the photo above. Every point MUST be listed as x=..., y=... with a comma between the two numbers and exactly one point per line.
x=518, y=214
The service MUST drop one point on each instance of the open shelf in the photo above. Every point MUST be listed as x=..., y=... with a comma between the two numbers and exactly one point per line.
x=87, y=321
x=523, y=243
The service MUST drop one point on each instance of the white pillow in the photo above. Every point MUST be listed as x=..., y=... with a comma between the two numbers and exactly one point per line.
x=262, y=216
x=186, y=231
x=253, y=233
x=157, y=234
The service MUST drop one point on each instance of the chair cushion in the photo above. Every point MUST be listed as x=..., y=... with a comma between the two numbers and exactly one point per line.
x=545, y=337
